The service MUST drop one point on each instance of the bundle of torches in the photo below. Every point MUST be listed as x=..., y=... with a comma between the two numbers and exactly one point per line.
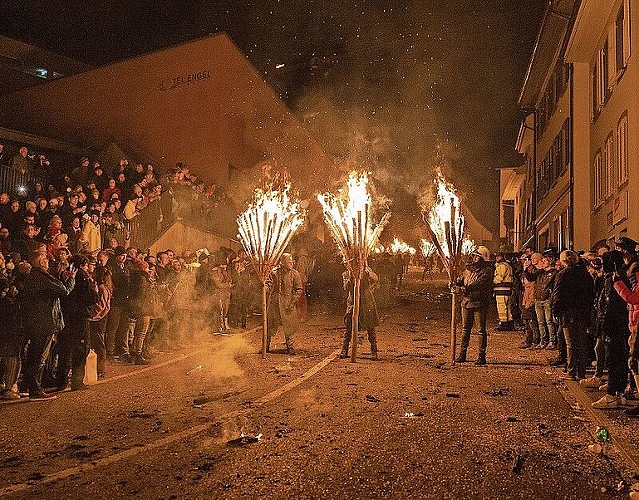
x=348, y=216
x=267, y=226
x=445, y=226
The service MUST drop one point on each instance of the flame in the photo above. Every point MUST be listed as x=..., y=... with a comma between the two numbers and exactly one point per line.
x=348, y=216
x=468, y=246
x=267, y=226
x=427, y=247
x=399, y=246
x=443, y=214
x=445, y=224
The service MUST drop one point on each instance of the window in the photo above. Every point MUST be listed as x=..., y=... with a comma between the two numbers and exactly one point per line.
x=598, y=180
x=559, y=154
x=608, y=168
x=567, y=142
x=622, y=36
x=622, y=150
x=594, y=93
x=602, y=75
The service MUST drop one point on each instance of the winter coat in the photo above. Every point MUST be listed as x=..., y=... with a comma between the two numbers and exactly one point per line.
x=611, y=311
x=477, y=280
x=544, y=281
x=120, y=276
x=285, y=289
x=631, y=297
x=141, y=294
x=573, y=293
x=78, y=305
x=103, y=305
x=91, y=238
x=503, y=278
x=10, y=328
x=368, y=317
x=40, y=302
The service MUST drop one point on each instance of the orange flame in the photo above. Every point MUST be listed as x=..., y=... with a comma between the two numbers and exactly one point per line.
x=348, y=216
x=427, y=247
x=399, y=246
x=267, y=226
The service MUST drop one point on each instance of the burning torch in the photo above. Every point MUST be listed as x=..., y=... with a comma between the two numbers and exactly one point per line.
x=265, y=230
x=445, y=226
x=348, y=216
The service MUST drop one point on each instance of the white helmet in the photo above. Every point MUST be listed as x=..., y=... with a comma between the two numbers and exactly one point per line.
x=482, y=252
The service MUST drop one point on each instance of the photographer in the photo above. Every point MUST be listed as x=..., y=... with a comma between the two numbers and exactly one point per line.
x=75, y=338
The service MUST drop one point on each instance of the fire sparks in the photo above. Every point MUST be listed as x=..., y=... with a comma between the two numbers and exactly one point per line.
x=348, y=216
x=400, y=247
x=427, y=247
x=468, y=246
x=267, y=226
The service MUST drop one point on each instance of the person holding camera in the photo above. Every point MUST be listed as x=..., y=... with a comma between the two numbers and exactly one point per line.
x=627, y=286
x=75, y=339
x=41, y=318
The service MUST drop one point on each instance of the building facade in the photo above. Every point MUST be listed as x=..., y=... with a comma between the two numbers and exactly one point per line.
x=577, y=139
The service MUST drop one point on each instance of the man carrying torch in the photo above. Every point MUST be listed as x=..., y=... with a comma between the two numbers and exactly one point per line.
x=285, y=289
x=367, y=318
x=476, y=284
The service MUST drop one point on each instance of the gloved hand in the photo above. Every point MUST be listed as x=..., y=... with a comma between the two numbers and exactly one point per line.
x=632, y=365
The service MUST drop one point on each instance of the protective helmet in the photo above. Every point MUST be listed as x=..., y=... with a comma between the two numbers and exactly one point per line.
x=483, y=252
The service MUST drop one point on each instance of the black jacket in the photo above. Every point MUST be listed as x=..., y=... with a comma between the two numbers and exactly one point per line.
x=477, y=281
x=573, y=293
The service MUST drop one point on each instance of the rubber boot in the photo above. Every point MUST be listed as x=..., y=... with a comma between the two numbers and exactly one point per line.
x=481, y=360
x=483, y=340
x=372, y=338
x=461, y=358
x=226, y=324
x=345, y=343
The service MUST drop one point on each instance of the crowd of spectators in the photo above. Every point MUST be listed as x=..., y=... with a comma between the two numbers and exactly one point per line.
x=70, y=278
x=583, y=305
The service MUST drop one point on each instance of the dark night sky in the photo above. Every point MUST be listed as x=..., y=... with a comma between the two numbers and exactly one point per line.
x=386, y=83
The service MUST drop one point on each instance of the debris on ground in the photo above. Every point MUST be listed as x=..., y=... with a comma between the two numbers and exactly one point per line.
x=372, y=399
x=198, y=368
x=454, y=395
x=244, y=440
x=595, y=448
x=516, y=464
x=284, y=367
x=203, y=400
x=603, y=434
x=413, y=415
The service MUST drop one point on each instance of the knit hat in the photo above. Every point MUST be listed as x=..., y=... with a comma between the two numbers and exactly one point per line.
x=626, y=244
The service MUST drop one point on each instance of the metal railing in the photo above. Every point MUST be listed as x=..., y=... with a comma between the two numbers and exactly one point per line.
x=152, y=221
x=16, y=184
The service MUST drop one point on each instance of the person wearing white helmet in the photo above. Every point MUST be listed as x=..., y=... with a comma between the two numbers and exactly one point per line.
x=476, y=283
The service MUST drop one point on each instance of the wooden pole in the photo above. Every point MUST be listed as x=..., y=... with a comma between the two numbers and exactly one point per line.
x=355, y=321
x=264, y=320
x=453, y=326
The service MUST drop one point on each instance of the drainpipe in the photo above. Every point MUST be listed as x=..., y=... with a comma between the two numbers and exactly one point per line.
x=571, y=168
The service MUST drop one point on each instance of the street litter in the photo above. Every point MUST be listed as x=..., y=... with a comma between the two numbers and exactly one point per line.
x=371, y=399
x=244, y=439
x=413, y=415
x=453, y=395
x=603, y=435
x=284, y=367
x=198, y=368
x=595, y=448
x=203, y=400
x=516, y=465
